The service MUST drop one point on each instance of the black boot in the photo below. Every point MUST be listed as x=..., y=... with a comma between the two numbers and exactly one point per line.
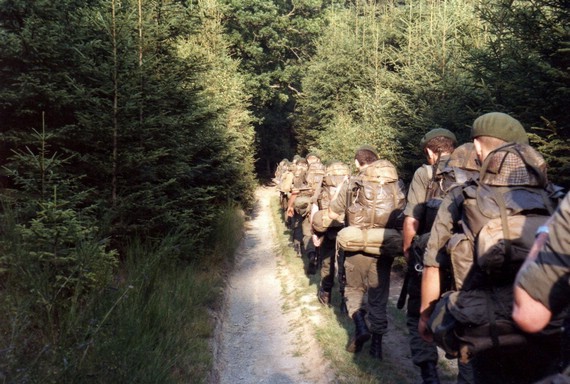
x=429, y=373
x=324, y=296
x=376, y=346
x=361, y=333
x=312, y=267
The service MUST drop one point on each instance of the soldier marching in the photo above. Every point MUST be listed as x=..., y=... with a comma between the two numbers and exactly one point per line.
x=465, y=226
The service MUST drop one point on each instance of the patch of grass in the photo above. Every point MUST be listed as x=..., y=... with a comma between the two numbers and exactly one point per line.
x=154, y=325
x=331, y=328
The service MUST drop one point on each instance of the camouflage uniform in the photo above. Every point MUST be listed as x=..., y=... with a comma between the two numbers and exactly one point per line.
x=335, y=175
x=546, y=279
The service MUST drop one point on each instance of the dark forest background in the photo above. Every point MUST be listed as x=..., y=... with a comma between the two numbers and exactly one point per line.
x=132, y=127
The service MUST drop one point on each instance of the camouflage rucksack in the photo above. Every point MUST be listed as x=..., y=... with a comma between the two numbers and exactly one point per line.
x=300, y=172
x=501, y=212
x=378, y=197
x=459, y=168
x=314, y=175
x=335, y=174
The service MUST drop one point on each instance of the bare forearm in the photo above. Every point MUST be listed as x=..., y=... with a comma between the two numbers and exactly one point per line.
x=411, y=226
x=430, y=290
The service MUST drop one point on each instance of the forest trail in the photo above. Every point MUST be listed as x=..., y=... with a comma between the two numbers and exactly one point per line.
x=258, y=340
x=255, y=344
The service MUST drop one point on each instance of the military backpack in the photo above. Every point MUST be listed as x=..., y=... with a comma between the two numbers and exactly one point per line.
x=378, y=197
x=501, y=212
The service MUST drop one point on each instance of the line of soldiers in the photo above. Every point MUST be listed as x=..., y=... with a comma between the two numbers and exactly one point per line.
x=465, y=226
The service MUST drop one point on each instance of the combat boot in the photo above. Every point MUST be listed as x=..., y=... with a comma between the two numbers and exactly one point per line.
x=361, y=332
x=429, y=373
x=376, y=346
x=324, y=296
x=312, y=266
x=297, y=247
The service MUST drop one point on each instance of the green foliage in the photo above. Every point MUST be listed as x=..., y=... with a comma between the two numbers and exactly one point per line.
x=273, y=41
x=556, y=151
x=151, y=324
x=385, y=75
x=151, y=141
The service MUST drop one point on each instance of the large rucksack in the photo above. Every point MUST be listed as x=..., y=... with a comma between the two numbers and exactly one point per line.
x=335, y=174
x=501, y=212
x=378, y=197
x=461, y=167
x=299, y=173
x=314, y=175
x=503, y=209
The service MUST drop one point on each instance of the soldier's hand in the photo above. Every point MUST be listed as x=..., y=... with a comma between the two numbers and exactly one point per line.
x=424, y=330
x=317, y=240
x=290, y=211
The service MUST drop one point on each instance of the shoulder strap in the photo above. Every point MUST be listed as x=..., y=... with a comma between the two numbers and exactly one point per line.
x=432, y=174
x=504, y=222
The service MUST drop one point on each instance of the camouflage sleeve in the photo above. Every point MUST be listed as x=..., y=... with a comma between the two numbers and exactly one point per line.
x=415, y=205
x=547, y=279
x=448, y=216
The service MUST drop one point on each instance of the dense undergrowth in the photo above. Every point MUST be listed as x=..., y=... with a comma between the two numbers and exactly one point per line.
x=150, y=322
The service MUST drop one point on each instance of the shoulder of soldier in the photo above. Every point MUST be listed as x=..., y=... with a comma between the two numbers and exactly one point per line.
x=421, y=177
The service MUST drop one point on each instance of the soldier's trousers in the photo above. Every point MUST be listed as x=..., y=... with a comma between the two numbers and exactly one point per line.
x=297, y=230
x=327, y=250
x=308, y=245
x=422, y=351
x=370, y=275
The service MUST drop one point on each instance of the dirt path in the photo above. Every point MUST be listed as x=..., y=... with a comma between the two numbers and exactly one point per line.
x=256, y=341
x=255, y=344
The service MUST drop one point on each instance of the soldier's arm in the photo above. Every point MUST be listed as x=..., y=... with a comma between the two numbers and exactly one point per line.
x=430, y=295
x=547, y=266
x=447, y=216
x=291, y=206
x=411, y=226
x=529, y=314
x=415, y=208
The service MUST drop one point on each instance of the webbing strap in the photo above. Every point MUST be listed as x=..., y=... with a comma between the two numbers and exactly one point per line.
x=490, y=295
x=373, y=218
x=504, y=223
